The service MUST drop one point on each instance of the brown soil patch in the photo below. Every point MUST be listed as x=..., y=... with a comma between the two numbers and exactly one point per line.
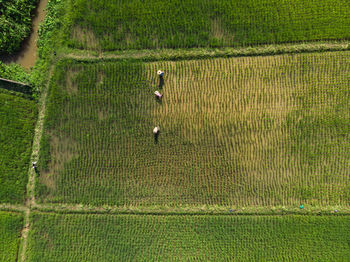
x=62, y=151
x=71, y=85
x=218, y=31
x=86, y=37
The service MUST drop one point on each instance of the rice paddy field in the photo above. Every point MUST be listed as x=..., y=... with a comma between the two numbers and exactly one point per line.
x=54, y=237
x=252, y=161
x=119, y=24
x=254, y=131
x=17, y=121
x=10, y=231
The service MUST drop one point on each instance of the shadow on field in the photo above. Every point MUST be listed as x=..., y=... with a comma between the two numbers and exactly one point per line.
x=36, y=171
x=159, y=101
x=156, y=138
x=161, y=82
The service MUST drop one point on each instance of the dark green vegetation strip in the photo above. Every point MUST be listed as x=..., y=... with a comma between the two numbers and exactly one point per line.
x=17, y=122
x=15, y=23
x=187, y=238
x=136, y=24
x=16, y=88
x=10, y=231
x=257, y=131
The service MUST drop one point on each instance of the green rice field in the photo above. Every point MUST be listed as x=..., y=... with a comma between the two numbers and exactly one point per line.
x=17, y=121
x=10, y=232
x=252, y=160
x=254, y=131
x=119, y=24
x=56, y=237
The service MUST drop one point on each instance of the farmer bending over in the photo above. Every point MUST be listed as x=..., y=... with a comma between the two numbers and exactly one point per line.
x=158, y=95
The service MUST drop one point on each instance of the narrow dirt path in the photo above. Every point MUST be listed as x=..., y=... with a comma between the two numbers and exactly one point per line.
x=176, y=54
x=10, y=207
x=24, y=235
x=36, y=146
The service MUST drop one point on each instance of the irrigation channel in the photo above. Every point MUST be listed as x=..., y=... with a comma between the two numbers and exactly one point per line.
x=27, y=55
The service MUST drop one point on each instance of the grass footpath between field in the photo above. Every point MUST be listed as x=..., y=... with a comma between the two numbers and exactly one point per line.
x=11, y=224
x=55, y=237
x=255, y=131
x=17, y=121
x=150, y=55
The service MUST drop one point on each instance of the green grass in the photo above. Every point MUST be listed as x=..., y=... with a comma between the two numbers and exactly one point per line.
x=256, y=131
x=15, y=23
x=10, y=231
x=57, y=237
x=119, y=24
x=14, y=72
x=17, y=122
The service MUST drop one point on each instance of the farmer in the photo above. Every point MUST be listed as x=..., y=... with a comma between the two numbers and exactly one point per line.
x=160, y=73
x=161, y=79
x=158, y=95
x=156, y=131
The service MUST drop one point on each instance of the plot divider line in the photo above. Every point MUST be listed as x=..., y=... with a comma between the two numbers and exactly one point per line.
x=24, y=236
x=110, y=210
x=205, y=53
x=35, y=148
x=14, y=208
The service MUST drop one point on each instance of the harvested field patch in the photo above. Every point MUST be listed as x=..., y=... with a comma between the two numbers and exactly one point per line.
x=255, y=131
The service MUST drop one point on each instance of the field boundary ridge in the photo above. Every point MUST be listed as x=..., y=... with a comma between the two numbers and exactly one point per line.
x=13, y=208
x=149, y=55
x=181, y=210
x=191, y=210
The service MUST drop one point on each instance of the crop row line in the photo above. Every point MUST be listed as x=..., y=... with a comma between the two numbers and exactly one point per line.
x=204, y=53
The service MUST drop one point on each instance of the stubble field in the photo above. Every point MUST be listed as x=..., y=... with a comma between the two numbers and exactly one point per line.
x=256, y=131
